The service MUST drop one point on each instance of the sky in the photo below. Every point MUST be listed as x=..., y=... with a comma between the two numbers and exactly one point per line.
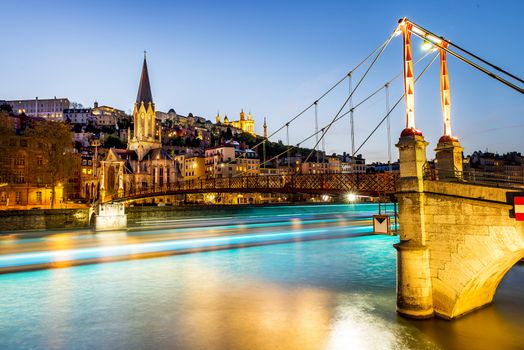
x=271, y=58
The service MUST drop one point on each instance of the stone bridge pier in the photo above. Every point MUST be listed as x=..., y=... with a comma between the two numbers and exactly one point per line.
x=457, y=239
x=110, y=216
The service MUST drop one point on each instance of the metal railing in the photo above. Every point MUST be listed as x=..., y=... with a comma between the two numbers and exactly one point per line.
x=474, y=177
x=371, y=184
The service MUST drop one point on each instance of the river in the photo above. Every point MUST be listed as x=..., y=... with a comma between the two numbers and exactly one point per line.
x=336, y=293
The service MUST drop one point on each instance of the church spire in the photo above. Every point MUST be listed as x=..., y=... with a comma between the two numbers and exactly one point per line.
x=144, y=89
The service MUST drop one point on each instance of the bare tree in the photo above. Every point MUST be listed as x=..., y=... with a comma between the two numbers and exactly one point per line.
x=7, y=133
x=53, y=141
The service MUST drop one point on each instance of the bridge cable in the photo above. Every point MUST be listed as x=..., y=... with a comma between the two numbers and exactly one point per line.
x=324, y=94
x=359, y=104
x=475, y=65
x=355, y=89
x=395, y=105
x=331, y=88
x=388, y=125
x=346, y=113
x=380, y=89
x=355, y=107
x=370, y=96
x=467, y=52
x=316, y=127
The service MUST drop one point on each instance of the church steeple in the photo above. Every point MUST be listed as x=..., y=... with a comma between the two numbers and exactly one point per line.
x=147, y=134
x=144, y=89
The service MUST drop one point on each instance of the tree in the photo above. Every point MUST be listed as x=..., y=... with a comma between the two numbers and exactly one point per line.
x=76, y=105
x=247, y=138
x=113, y=141
x=196, y=142
x=229, y=134
x=176, y=141
x=6, y=107
x=54, y=142
x=7, y=133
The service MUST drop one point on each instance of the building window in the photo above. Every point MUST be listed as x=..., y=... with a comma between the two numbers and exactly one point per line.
x=39, y=197
x=18, y=197
x=39, y=161
x=19, y=177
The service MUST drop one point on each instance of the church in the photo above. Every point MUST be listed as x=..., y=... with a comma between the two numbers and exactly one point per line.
x=246, y=125
x=144, y=165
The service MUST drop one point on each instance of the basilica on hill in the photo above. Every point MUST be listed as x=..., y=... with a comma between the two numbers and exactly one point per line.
x=145, y=164
x=246, y=125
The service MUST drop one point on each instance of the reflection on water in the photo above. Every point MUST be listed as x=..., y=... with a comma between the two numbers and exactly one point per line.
x=329, y=294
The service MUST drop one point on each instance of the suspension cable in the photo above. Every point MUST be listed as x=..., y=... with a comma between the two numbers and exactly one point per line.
x=394, y=106
x=316, y=126
x=355, y=107
x=473, y=64
x=324, y=94
x=466, y=52
x=388, y=125
x=355, y=89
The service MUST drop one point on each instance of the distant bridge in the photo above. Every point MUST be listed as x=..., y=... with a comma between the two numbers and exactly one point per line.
x=361, y=184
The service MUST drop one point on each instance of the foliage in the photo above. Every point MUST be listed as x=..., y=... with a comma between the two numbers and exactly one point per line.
x=176, y=141
x=113, y=141
x=52, y=140
x=7, y=133
x=6, y=107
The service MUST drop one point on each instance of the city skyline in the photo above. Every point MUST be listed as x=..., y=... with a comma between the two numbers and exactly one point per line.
x=195, y=68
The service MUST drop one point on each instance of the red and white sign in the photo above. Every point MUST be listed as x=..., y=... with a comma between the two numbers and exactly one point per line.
x=519, y=208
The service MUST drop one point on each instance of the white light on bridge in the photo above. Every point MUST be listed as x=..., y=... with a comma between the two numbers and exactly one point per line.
x=351, y=197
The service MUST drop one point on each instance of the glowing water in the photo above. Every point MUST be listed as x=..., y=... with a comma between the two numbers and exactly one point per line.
x=324, y=294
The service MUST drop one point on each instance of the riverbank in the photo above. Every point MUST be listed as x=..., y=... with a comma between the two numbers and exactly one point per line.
x=12, y=221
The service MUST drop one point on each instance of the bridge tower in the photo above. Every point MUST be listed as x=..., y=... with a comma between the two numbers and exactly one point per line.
x=457, y=239
x=414, y=291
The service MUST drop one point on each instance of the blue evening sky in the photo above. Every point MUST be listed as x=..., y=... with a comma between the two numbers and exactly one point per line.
x=272, y=58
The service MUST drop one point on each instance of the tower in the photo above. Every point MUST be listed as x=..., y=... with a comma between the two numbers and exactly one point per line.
x=145, y=135
x=242, y=121
x=265, y=128
x=218, y=117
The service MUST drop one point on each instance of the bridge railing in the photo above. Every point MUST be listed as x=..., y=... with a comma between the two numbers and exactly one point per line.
x=475, y=177
x=380, y=183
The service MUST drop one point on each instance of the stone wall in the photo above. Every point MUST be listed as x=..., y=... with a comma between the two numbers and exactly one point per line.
x=472, y=243
x=42, y=219
x=457, y=240
x=151, y=213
